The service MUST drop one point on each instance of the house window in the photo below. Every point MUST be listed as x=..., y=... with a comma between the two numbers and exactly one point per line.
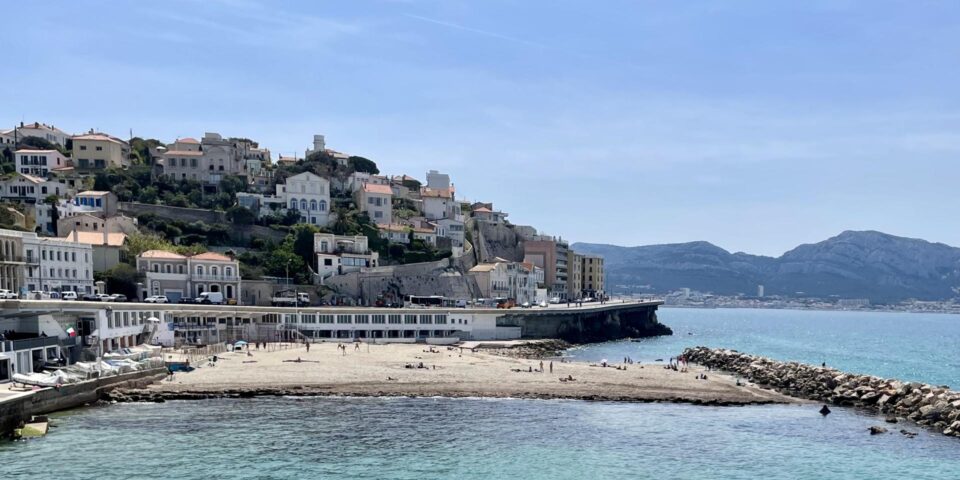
x=156, y=268
x=303, y=204
x=313, y=204
x=323, y=206
x=228, y=271
x=199, y=269
x=293, y=204
x=83, y=147
x=99, y=149
x=343, y=319
x=169, y=269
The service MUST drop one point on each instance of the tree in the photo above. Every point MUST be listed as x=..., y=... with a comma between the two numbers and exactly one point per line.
x=51, y=200
x=360, y=164
x=122, y=278
x=231, y=185
x=303, y=241
x=241, y=215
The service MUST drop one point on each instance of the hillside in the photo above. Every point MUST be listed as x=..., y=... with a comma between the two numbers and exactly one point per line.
x=874, y=265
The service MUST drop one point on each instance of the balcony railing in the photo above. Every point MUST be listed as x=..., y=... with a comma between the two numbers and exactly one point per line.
x=31, y=343
x=215, y=278
x=17, y=259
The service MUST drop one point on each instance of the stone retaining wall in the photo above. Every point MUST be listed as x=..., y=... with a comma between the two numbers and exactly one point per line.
x=936, y=407
x=49, y=400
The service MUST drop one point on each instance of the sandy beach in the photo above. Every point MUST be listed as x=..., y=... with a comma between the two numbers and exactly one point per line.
x=382, y=370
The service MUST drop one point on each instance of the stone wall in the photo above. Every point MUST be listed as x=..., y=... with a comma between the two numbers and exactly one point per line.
x=936, y=407
x=495, y=240
x=175, y=213
x=594, y=325
x=49, y=400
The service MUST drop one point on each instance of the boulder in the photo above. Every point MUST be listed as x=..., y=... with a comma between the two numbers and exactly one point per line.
x=877, y=430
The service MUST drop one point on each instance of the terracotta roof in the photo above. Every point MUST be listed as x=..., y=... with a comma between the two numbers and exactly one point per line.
x=374, y=188
x=162, y=254
x=96, y=238
x=484, y=267
x=99, y=136
x=424, y=230
x=212, y=256
x=483, y=210
x=187, y=140
x=392, y=227
x=438, y=193
x=31, y=178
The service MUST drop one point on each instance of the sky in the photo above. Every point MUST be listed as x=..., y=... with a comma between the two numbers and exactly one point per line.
x=755, y=125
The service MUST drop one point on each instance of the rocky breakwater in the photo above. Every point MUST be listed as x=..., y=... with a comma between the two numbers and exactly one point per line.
x=936, y=407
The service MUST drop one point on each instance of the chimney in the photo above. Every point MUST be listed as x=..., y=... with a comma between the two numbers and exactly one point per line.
x=76, y=232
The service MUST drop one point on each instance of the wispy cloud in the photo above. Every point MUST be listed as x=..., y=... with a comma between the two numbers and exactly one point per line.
x=477, y=31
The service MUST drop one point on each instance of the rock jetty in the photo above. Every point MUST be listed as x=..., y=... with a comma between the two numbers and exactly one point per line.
x=936, y=407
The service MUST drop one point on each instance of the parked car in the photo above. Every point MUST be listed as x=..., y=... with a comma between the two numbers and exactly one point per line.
x=190, y=300
x=525, y=305
x=104, y=297
x=543, y=304
x=118, y=297
x=69, y=296
x=91, y=297
x=210, y=298
x=8, y=295
x=157, y=299
x=554, y=299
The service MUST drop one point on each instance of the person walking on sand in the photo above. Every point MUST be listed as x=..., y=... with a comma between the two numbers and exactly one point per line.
x=551, y=366
x=356, y=346
x=541, y=366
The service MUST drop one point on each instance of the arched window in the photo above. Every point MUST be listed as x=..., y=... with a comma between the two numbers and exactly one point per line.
x=169, y=268
x=313, y=204
x=303, y=204
x=213, y=271
x=180, y=269
x=228, y=271
x=323, y=205
x=323, y=246
x=293, y=203
x=199, y=269
x=156, y=268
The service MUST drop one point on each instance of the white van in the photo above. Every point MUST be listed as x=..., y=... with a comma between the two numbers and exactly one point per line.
x=68, y=295
x=215, y=298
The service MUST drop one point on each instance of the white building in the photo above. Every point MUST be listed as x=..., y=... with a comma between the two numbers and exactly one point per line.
x=339, y=254
x=33, y=191
x=57, y=265
x=377, y=201
x=36, y=129
x=394, y=232
x=39, y=163
x=308, y=194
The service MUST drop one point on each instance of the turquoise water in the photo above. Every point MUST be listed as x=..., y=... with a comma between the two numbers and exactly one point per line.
x=908, y=346
x=427, y=438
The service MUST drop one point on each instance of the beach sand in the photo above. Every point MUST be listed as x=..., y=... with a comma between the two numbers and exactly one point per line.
x=379, y=370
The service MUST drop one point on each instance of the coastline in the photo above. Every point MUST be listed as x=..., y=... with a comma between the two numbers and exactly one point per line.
x=382, y=370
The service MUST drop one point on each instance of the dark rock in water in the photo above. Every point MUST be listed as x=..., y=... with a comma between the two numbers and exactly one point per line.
x=891, y=420
x=908, y=433
x=877, y=430
x=825, y=411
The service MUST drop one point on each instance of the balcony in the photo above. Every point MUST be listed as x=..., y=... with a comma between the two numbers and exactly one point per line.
x=215, y=278
x=31, y=343
x=18, y=259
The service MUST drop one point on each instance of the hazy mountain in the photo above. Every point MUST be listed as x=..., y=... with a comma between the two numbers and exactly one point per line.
x=851, y=265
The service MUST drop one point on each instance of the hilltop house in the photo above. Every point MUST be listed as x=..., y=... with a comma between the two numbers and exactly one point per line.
x=376, y=200
x=94, y=150
x=39, y=130
x=39, y=163
x=339, y=254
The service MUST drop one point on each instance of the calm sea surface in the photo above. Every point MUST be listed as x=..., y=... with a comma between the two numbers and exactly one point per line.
x=427, y=438
x=908, y=346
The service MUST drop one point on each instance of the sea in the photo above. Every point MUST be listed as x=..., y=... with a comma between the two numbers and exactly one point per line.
x=433, y=438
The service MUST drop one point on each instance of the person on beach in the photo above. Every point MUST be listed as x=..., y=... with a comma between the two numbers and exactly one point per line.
x=308, y=345
x=551, y=366
x=541, y=366
x=356, y=347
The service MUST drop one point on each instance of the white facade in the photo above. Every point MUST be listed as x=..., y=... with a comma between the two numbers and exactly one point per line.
x=39, y=163
x=308, y=194
x=339, y=254
x=33, y=191
x=47, y=132
x=57, y=265
x=178, y=276
x=319, y=145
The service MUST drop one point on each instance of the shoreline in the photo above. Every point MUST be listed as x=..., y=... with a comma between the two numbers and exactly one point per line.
x=405, y=370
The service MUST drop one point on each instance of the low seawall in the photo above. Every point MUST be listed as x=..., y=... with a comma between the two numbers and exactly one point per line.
x=936, y=407
x=612, y=322
x=48, y=400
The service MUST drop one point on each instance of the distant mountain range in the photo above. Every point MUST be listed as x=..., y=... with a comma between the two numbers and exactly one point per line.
x=874, y=265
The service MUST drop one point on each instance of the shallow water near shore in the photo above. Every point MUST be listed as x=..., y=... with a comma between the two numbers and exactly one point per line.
x=907, y=346
x=427, y=438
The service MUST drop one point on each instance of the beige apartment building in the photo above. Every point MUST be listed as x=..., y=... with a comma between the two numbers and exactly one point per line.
x=98, y=150
x=593, y=275
x=575, y=275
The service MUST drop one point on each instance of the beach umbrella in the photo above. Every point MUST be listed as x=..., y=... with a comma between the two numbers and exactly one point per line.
x=72, y=332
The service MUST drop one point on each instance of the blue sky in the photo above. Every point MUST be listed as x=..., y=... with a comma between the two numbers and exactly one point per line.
x=756, y=125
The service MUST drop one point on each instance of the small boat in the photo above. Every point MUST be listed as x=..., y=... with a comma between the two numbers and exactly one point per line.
x=179, y=366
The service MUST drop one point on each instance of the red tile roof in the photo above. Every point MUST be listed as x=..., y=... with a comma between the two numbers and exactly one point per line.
x=380, y=189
